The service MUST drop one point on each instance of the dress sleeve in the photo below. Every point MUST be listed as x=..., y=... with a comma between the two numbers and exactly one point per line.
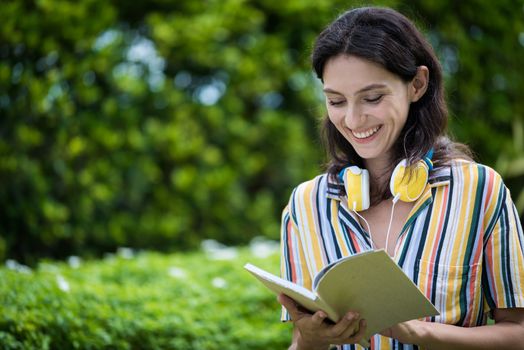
x=503, y=273
x=293, y=264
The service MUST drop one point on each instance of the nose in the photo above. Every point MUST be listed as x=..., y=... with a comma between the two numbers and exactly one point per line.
x=352, y=117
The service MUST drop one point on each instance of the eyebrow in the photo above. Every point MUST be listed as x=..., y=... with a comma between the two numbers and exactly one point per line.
x=364, y=89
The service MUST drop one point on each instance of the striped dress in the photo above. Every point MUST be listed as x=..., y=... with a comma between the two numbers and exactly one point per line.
x=462, y=243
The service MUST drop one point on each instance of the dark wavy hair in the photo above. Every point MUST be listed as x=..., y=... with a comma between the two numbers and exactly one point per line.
x=388, y=38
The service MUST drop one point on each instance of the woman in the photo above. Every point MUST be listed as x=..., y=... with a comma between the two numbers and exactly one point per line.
x=451, y=227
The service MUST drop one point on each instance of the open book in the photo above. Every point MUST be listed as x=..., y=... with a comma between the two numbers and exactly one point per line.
x=370, y=283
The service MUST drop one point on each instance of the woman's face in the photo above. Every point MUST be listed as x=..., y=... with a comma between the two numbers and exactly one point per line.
x=367, y=104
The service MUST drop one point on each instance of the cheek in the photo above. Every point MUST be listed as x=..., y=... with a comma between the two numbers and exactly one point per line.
x=335, y=115
x=338, y=122
x=401, y=114
x=400, y=109
x=390, y=113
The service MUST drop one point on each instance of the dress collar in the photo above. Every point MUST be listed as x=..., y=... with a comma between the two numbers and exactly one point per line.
x=438, y=177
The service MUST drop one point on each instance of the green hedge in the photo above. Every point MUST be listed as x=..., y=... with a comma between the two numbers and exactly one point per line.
x=154, y=124
x=145, y=301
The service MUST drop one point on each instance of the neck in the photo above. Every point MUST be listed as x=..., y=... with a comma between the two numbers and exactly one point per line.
x=379, y=171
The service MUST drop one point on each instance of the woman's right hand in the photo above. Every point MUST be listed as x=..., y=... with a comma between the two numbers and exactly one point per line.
x=315, y=331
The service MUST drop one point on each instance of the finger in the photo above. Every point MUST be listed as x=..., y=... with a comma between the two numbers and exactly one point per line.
x=362, y=325
x=290, y=305
x=318, y=318
x=346, y=326
x=287, y=302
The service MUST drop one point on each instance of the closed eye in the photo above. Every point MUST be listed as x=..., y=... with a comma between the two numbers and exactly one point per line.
x=374, y=99
x=335, y=103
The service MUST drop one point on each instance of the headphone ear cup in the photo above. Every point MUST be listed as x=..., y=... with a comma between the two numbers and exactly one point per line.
x=356, y=183
x=409, y=183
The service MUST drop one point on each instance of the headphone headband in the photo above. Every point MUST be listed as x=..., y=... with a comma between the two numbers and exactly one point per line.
x=428, y=159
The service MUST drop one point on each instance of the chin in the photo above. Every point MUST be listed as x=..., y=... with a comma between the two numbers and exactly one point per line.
x=367, y=154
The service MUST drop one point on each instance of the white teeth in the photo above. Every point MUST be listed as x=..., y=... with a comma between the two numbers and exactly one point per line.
x=365, y=134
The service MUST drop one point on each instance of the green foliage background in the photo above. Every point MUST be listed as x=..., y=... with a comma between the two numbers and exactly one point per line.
x=155, y=124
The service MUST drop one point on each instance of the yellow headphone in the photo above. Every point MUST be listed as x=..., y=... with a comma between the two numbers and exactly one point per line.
x=407, y=187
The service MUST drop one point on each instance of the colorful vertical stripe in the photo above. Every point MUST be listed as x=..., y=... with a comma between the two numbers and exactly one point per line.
x=462, y=244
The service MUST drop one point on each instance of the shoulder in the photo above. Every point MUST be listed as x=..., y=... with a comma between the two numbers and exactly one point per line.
x=316, y=189
x=310, y=187
x=479, y=186
x=471, y=173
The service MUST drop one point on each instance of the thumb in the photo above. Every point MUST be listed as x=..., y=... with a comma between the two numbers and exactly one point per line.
x=287, y=302
x=290, y=305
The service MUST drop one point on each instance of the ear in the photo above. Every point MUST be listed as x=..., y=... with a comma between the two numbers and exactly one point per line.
x=419, y=84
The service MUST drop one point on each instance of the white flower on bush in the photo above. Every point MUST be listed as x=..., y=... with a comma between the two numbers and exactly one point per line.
x=63, y=285
x=125, y=253
x=16, y=266
x=262, y=247
x=74, y=262
x=219, y=282
x=177, y=272
x=218, y=251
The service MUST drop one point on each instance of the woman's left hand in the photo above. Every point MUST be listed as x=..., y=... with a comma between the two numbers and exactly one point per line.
x=506, y=333
x=405, y=332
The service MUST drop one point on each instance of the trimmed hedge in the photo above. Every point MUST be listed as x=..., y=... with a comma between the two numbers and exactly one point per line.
x=144, y=301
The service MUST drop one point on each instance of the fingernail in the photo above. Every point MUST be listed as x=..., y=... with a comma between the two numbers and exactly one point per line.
x=352, y=316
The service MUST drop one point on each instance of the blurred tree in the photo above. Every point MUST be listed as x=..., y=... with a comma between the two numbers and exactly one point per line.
x=481, y=47
x=154, y=124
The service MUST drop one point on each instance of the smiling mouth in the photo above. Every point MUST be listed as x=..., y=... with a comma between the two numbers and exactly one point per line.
x=365, y=134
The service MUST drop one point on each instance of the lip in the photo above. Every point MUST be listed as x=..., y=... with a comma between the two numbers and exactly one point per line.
x=367, y=139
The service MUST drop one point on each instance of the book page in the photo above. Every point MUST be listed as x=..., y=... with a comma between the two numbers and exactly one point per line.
x=301, y=295
x=285, y=284
x=326, y=268
x=375, y=286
